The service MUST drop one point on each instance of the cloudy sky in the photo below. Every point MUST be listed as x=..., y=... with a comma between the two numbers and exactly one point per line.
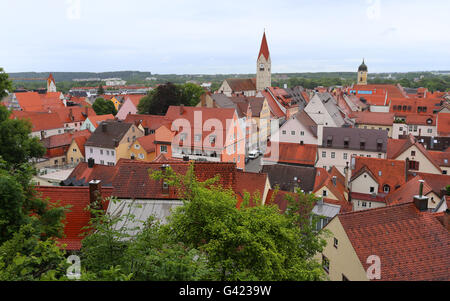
x=209, y=36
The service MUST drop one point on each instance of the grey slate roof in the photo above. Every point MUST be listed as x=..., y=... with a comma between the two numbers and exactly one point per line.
x=355, y=136
x=284, y=176
x=115, y=130
x=332, y=108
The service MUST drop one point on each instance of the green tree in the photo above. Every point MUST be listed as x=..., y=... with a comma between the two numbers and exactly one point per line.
x=191, y=93
x=16, y=145
x=100, y=90
x=25, y=257
x=251, y=243
x=104, y=107
x=160, y=99
x=5, y=84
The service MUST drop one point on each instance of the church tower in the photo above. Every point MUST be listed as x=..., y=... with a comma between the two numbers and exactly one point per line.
x=264, y=66
x=362, y=74
x=51, y=84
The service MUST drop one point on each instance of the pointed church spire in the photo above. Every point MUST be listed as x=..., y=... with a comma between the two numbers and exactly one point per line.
x=264, y=47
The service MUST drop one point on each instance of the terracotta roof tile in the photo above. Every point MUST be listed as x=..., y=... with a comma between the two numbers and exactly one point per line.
x=411, y=245
x=296, y=154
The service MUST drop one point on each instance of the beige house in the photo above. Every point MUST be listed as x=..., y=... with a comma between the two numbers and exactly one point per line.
x=417, y=157
x=388, y=244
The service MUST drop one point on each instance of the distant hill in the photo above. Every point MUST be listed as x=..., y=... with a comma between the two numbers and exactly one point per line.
x=70, y=76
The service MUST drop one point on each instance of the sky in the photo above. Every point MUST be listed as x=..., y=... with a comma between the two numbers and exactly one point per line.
x=211, y=37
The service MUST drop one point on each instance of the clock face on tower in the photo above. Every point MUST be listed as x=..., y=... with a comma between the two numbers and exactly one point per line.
x=261, y=67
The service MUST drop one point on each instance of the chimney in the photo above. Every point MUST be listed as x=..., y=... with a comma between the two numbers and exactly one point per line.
x=420, y=200
x=181, y=109
x=95, y=191
x=71, y=115
x=346, y=168
x=91, y=163
x=104, y=126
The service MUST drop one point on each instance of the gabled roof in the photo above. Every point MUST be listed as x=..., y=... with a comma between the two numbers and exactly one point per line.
x=97, y=119
x=443, y=124
x=82, y=175
x=81, y=141
x=406, y=193
x=264, y=50
x=375, y=118
x=78, y=217
x=296, y=154
x=64, y=139
x=396, y=147
x=383, y=171
x=253, y=183
x=115, y=130
x=411, y=245
x=441, y=158
x=242, y=84
x=274, y=105
x=35, y=102
x=147, y=143
x=307, y=122
x=132, y=180
x=40, y=121
x=152, y=122
x=325, y=179
x=288, y=177
x=74, y=114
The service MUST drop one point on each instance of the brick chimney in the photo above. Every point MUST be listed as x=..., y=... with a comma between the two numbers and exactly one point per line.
x=420, y=200
x=95, y=193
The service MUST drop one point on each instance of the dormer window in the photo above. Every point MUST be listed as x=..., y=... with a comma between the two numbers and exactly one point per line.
x=362, y=144
x=329, y=141
x=346, y=142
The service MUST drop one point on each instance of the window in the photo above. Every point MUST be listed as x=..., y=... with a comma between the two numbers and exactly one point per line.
x=101, y=152
x=302, y=133
x=141, y=156
x=112, y=153
x=415, y=128
x=413, y=153
x=335, y=242
x=372, y=189
x=163, y=149
x=107, y=152
x=325, y=264
x=324, y=193
x=413, y=165
x=137, y=146
x=102, y=162
x=345, y=156
x=91, y=150
x=284, y=132
x=364, y=204
x=386, y=188
x=333, y=155
x=74, y=150
x=324, y=154
x=128, y=139
x=293, y=133
x=430, y=131
x=111, y=164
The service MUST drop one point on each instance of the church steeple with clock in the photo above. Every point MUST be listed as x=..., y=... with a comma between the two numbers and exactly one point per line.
x=264, y=66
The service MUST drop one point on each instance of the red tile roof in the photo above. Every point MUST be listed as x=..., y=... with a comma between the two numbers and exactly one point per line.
x=384, y=171
x=441, y=158
x=152, y=122
x=148, y=143
x=325, y=179
x=368, y=197
x=82, y=175
x=78, y=217
x=376, y=118
x=253, y=183
x=242, y=84
x=35, y=102
x=443, y=124
x=420, y=119
x=296, y=154
x=64, y=139
x=97, y=119
x=273, y=105
x=74, y=114
x=133, y=180
x=40, y=121
x=411, y=245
